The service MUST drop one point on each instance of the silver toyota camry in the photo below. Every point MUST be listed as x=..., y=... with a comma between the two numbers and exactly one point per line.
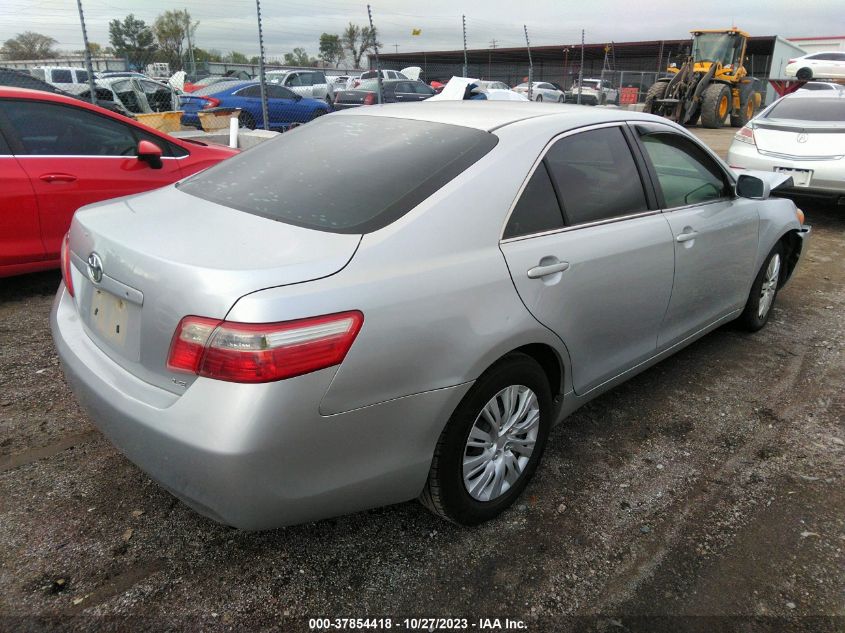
x=273, y=353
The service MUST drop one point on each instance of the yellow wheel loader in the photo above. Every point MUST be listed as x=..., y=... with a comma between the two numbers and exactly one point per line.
x=711, y=83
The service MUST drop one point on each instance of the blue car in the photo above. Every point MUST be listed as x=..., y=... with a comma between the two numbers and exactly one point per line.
x=284, y=107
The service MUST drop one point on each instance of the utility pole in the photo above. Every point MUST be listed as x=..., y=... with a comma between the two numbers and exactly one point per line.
x=261, y=77
x=530, y=65
x=581, y=69
x=190, y=45
x=464, y=22
x=88, y=65
x=375, y=52
x=494, y=43
x=565, y=66
x=396, y=48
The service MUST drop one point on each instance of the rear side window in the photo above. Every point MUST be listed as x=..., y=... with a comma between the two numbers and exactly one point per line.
x=250, y=91
x=596, y=176
x=809, y=109
x=384, y=167
x=61, y=76
x=537, y=210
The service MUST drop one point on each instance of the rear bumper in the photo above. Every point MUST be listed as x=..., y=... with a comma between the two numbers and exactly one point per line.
x=256, y=456
x=828, y=175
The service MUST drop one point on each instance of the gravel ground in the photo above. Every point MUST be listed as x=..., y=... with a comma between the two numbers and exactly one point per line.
x=705, y=494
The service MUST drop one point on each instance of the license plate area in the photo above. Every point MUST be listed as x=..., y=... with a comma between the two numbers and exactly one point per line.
x=113, y=322
x=800, y=177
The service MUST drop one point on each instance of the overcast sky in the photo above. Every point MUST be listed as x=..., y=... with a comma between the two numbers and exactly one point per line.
x=231, y=24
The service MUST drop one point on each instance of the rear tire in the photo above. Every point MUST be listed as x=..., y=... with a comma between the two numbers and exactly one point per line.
x=539, y=98
x=804, y=73
x=763, y=291
x=655, y=92
x=467, y=468
x=715, y=105
x=246, y=120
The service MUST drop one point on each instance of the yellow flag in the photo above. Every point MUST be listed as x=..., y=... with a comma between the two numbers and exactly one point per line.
x=416, y=31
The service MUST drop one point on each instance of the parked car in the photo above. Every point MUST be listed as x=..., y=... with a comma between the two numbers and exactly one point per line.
x=593, y=92
x=823, y=65
x=208, y=80
x=306, y=83
x=284, y=107
x=136, y=95
x=60, y=154
x=801, y=135
x=494, y=85
x=60, y=75
x=273, y=353
x=395, y=91
x=18, y=79
x=373, y=74
x=541, y=91
x=822, y=85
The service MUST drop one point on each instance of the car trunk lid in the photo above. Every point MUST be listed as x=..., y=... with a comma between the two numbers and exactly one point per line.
x=163, y=255
x=800, y=139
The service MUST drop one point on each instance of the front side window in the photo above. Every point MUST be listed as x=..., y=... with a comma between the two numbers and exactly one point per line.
x=277, y=92
x=537, y=210
x=596, y=176
x=294, y=80
x=382, y=184
x=81, y=76
x=49, y=129
x=686, y=174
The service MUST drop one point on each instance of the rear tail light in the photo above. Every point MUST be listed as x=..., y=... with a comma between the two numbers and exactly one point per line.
x=746, y=134
x=369, y=99
x=261, y=352
x=212, y=102
x=66, y=264
x=791, y=61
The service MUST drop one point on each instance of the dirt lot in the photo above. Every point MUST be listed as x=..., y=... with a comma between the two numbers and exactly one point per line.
x=707, y=494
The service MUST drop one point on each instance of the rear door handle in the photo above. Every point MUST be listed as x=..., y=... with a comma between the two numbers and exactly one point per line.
x=58, y=178
x=550, y=269
x=686, y=237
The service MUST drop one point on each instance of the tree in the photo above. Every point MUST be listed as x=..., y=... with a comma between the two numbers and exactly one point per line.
x=299, y=58
x=29, y=45
x=359, y=41
x=331, y=49
x=132, y=36
x=210, y=55
x=171, y=29
x=96, y=50
x=236, y=58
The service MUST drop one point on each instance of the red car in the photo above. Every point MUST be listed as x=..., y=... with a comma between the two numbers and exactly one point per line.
x=58, y=153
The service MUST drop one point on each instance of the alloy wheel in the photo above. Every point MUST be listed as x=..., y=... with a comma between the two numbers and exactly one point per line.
x=500, y=443
x=770, y=286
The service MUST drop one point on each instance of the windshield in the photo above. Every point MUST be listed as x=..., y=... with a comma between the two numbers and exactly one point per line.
x=591, y=84
x=370, y=84
x=715, y=47
x=809, y=109
x=295, y=177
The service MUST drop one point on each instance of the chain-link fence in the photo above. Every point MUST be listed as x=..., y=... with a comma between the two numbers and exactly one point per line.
x=170, y=63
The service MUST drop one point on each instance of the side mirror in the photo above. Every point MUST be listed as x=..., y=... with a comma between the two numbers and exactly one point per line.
x=748, y=186
x=150, y=153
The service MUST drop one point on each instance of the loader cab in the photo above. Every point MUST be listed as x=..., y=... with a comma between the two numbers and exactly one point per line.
x=726, y=49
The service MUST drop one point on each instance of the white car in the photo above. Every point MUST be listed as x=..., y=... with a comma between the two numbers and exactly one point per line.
x=822, y=85
x=824, y=65
x=593, y=92
x=803, y=135
x=61, y=75
x=308, y=83
x=541, y=91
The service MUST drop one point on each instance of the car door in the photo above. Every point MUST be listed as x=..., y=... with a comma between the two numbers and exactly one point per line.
x=715, y=233
x=285, y=106
x=248, y=99
x=297, y=83
x=74, y=156
x=590, y=254
x=20, y=230
x=404, y=91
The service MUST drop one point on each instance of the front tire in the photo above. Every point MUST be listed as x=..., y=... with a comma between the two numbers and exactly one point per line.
x=492, y=444
x=656, y=92
x=539, y=98
x=763, y=291
x=804, y=73
x=715, y=105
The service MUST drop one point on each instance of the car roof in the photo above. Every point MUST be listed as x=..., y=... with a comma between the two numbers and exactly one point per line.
x=491, y=115
x=816, y=94
x=27, y=93
x=221, y=86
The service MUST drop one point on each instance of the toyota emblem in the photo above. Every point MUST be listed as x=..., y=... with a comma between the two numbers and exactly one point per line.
x=95, y=268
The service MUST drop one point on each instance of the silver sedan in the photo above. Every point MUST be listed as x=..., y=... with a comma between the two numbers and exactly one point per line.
x=272, y=353
x=802, y=136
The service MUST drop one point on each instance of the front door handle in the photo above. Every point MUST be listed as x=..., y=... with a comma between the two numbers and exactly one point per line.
x=550, y=269
x=58, y=178
x=687, y=236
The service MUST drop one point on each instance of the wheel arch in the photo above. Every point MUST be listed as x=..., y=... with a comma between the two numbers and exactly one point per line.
x=792, y=245
x=549, y=360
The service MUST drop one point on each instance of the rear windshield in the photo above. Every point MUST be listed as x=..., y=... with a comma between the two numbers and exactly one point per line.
x=343, y=174
x=805, y=109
